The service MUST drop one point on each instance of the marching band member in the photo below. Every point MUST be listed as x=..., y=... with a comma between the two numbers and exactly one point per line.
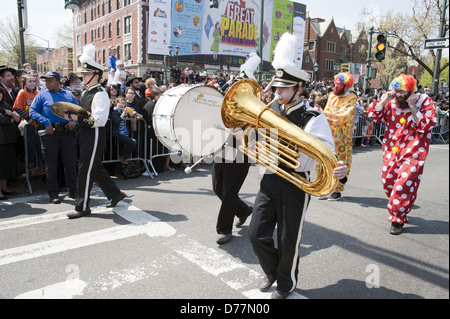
x=409, y=120
x=229, y=173
x=279, y=203
x=92, y=138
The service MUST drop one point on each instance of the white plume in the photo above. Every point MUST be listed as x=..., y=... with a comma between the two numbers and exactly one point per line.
x=251, y=64
x=285, y=51
x=88, y=54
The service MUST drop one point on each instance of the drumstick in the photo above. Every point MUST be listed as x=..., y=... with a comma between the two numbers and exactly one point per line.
x=188, y=170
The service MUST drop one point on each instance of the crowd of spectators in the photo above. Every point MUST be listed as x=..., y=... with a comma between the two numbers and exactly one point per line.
x=133, y=99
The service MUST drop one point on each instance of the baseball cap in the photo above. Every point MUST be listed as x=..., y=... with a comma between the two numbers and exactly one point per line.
x=51, y=74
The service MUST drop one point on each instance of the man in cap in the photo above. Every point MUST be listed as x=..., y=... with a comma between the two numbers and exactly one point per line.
x=92, y=138
x=409, y=119
x=59, y=138
x=340, y=111
x=279, y=203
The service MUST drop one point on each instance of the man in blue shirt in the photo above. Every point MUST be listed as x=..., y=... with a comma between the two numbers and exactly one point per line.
x=59, y=138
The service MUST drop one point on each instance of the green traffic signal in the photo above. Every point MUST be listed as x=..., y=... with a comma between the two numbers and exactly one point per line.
x=380, y=55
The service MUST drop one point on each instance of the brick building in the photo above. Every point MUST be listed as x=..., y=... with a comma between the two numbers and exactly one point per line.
x=59, y=60
x=112, y=23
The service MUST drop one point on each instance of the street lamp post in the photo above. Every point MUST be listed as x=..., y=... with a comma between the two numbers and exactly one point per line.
x=316, y=70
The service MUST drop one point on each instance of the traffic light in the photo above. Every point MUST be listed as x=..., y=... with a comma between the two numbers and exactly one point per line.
x=214, y=3
x=380, y=47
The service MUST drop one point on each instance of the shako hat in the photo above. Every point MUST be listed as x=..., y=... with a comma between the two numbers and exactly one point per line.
x=287, y=73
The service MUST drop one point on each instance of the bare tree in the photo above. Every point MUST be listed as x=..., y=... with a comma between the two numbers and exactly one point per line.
x=407, y=32
x=10, y=45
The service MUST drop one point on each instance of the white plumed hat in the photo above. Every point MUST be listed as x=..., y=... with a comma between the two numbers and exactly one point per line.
x=87, y=60
x=287, y=72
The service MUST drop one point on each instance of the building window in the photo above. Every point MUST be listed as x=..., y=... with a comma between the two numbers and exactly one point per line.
x=110, y=30
x=118, y=4
x=85, y=38
x=109, y=6
x=92, y=35
x=85, y=17
x=331, y=47
x=329, y=66
x=104, y=56
x=103, y=32
x=118, y=52
x=311, y=46
x=126, y=3
x=78, y=20
x=127, y=25
x=127, y=51
x=78, y=40
x=92, y=14
x=118, y=28
x=307, y=58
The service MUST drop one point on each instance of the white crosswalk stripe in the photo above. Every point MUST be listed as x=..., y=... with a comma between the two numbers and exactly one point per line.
x=224, y=267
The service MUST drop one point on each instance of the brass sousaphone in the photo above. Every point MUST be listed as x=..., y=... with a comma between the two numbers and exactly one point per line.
x=243, y=109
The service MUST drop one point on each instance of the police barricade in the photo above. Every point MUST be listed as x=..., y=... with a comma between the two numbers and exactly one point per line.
x=141, y=152
x=440, y=130
x=33, y=157
x=366, y=128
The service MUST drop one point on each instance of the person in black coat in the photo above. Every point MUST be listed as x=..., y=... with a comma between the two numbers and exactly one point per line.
x=8, y=139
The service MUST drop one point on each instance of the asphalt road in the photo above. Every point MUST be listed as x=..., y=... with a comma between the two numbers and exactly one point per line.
x=160, y=243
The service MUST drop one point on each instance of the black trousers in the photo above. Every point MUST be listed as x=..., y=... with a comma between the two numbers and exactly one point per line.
x=227, y=179
x=52, y=146
x=92, y=143
x=281, y=204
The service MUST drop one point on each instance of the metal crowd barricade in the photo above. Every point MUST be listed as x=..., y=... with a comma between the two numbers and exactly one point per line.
x=140, y=153
x=440, y=130
x=366, y=127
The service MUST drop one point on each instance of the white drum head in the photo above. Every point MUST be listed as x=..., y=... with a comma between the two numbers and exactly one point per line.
x=196, y=121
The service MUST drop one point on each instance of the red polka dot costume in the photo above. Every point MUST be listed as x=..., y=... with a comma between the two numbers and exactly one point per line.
x=405, y=149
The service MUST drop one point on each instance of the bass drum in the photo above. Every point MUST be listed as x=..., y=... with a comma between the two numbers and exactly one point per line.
x=188, y=119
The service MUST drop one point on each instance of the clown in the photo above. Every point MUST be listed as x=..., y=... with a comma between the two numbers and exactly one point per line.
x=340, y=111
x=409, y=120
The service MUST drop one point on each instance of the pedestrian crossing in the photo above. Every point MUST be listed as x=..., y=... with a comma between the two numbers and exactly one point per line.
x=178, y=248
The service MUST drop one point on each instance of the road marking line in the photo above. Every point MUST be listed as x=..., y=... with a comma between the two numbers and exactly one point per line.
x=153, y=228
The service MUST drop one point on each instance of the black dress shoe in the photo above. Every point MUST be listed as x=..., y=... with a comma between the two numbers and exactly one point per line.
x=277, y=294
x=76, y=214
x=55, y=200
x=396, y=229
x=266, y=283
x=223, y=238
x=4, y=198
x=115, y=201
x=242, y=220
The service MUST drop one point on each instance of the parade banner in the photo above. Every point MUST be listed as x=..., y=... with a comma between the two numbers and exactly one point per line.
x=232, y=29
x=159, y=26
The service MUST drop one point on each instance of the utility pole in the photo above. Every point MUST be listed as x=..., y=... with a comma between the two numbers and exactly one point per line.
x=21, y=31
x=437, y=63
x=369, y=55
x=261, y=42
